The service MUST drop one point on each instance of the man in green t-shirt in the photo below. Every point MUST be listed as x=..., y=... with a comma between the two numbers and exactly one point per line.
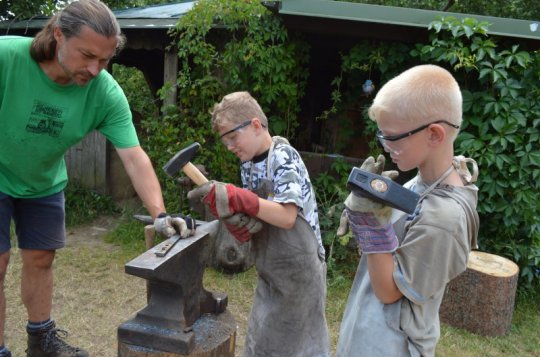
x=54, y=91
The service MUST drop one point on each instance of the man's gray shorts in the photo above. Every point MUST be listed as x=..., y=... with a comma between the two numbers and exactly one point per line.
x=39, y=222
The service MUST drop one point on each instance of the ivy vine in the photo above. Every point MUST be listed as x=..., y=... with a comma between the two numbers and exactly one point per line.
x=225, y=46
x=500, y=130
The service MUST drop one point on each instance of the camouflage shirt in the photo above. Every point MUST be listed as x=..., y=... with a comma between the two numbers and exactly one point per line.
x=289, y=180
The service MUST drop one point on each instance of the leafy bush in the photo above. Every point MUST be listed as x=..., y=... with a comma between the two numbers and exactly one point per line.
x=501, y=123
x=225, y=46
x=331, y=192
x=84, y=205
x=500, y=128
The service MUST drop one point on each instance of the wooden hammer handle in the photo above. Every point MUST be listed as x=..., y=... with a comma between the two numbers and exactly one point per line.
x=194, y=174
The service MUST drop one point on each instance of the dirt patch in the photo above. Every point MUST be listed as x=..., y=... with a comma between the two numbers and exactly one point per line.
x=93, y=295
x=92, y=234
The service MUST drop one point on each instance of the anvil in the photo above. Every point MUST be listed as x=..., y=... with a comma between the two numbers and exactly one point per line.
x=177, y=296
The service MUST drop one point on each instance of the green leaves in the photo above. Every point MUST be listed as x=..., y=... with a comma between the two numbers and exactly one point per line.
x=230, y=45
x=501, y=106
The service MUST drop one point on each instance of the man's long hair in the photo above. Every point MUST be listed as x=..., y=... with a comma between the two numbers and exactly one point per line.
x=92, y=13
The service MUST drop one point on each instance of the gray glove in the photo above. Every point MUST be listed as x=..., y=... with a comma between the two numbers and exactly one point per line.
x=358, y=203
x=242, y=220
x=167, y=225
x=241, y=226
x=370, y=220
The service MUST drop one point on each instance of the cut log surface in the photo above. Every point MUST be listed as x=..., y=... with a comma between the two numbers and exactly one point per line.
x=481, y=299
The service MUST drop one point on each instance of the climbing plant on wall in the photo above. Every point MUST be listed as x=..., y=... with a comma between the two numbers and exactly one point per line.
x=225, y=46
x=500, y=130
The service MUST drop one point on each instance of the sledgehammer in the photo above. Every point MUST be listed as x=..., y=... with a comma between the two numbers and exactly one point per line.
x=182, y=161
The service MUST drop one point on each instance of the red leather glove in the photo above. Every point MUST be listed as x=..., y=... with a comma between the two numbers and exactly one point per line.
x=242, y=226
x=224, y=200
x=241, y=234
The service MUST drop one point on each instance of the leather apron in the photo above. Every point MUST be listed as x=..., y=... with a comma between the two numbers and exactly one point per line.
x=369, y=327
x=288, y=314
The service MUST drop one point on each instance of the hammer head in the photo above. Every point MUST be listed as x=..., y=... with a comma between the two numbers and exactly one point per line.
x=174, y=165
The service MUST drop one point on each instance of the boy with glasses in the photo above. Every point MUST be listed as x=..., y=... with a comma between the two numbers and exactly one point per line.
x=407, y=260
x=288, y=313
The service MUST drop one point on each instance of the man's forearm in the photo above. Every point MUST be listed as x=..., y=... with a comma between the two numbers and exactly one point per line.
x=143, y=177
x=150, y=193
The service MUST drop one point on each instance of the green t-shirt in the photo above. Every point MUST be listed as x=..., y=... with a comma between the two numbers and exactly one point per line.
x=40, y=120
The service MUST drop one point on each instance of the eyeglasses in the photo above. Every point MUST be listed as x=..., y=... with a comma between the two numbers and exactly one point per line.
x=234, y=138
x=383, y=138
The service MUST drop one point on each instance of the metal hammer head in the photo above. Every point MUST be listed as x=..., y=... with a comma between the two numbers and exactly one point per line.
x=183, y=157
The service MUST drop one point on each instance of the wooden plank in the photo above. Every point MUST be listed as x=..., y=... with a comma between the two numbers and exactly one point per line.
x=86, y=162
x=170, y=74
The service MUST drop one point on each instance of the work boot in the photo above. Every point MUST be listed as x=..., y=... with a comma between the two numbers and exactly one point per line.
x=49, y=342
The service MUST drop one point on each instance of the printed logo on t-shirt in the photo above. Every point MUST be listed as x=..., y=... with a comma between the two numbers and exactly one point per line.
x=46, y=119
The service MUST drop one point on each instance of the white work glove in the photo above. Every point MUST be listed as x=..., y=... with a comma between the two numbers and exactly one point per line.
x=167, y=225
x=368, y=220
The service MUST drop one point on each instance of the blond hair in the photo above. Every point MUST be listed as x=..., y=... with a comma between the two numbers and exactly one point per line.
x=421, y=94
x=92, y=13
x=236, y=108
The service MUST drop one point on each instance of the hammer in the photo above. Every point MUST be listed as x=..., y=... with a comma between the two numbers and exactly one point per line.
x=383, y=190
x=182, y=161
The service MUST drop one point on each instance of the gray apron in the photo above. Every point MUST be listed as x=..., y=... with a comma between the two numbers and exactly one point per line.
x=288, y=314
x=369, y=327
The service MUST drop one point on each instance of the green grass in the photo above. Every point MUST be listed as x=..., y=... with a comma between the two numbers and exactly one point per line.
x=522, y=340
x=93, y=295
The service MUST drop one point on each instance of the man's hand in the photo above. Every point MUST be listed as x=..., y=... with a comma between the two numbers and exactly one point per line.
x=167, y=226
x=224, y=200
x=242, y=226
x=368, y=220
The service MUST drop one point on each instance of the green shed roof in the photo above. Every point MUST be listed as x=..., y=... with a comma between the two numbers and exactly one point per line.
x=405, y=17
x=333, y=17
x=148, y=17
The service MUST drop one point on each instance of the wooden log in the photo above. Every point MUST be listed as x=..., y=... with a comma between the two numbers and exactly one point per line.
x=215, y=337
x=481, y=299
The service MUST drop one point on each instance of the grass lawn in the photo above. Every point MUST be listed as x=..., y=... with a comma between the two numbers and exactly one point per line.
x=93, y=296
x=523, y=339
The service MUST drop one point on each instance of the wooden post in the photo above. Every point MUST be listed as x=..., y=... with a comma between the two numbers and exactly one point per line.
x=170, y=74
x=481, y=299
x=149, y=242
x=149, y=236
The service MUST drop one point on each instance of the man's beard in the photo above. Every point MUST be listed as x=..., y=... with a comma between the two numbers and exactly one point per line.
x=73, y=75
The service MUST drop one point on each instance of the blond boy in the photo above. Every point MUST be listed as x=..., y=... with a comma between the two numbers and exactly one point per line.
x=407, y=260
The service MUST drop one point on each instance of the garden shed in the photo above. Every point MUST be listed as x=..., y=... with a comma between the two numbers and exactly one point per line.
x=329, y=27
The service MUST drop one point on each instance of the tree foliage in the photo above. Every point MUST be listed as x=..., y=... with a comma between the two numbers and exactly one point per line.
x=500, y=129
x=25, y=9
x=225, y=46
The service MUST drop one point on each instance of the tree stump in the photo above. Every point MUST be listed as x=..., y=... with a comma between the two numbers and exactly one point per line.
x=215, y=337
x=481, y=299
